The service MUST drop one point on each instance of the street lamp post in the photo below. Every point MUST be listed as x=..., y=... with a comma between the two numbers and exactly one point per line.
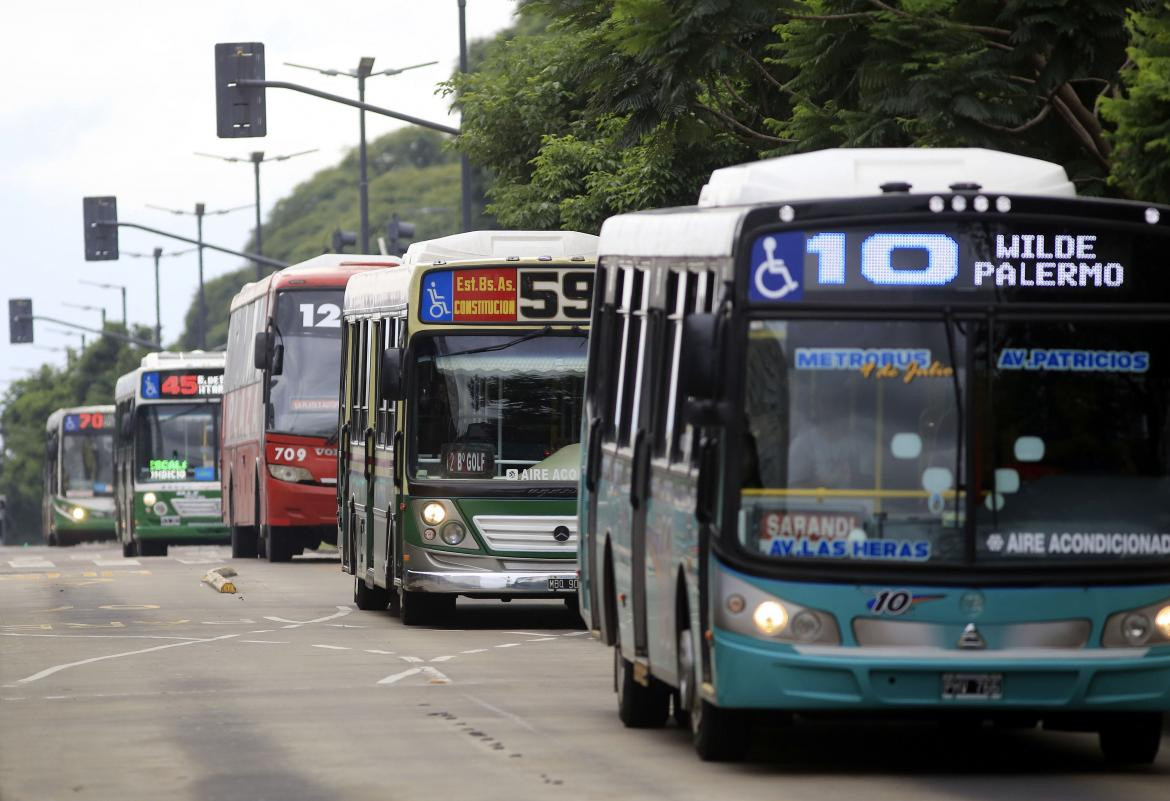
x=364, y=70
x=86, y=307
x=257, y=158
x=200, y=212
x=157, y=304
x=464, y=162
x=122, y=287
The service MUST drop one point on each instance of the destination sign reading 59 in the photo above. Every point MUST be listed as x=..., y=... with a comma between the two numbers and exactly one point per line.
x=506, y=295
x=976, y=261
x=180, y=384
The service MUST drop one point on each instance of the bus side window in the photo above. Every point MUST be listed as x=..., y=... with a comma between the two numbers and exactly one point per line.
x=599, y=349
x=669, y=360
x=643, y=360
x=353, y=380
x=631, y=324
x=694, y=300
x=366, y=373
x=384, y=339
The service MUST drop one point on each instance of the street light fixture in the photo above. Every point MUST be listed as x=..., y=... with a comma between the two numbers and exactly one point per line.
x=157, y=254
x=122, y=287
x=365, y=69
x=199, y=213
x=257, y=158
x=86, y=307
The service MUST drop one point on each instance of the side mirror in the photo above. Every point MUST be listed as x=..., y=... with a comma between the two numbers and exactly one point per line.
x=390, y=377
x=278, y=360
x=701, y=340
x=260, y=350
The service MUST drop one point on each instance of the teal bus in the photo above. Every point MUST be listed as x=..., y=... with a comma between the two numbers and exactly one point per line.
x=883, y=432
x=77, y=502
x=462, y=380
x=166, y=458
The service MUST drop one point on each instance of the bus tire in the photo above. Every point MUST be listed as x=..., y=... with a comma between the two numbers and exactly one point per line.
x=129, y=549
x=369, y=599
x=719, y=735
x=152, y=548
x=417, y=608
x=639, y=706
x=1131, y=738
x=243, y=542
x=277, y=548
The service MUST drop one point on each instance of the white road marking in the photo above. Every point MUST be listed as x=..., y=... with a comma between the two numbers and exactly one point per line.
x=117, y=562
x=519, y=721
x=261, y=631
x=437, y=677
x=345, y=626
x=376, y=651
x=442, y=658
x=541, y=639
x=508, y=645
x=525, y=633
x=30, y=562
x=268, y=642
x=575, y=634
x=332, y=647
x=411, y=659
x=296, y=624
x=49, y=671
x=198, y=561
x=474, y=651
x=242, y=621
x=103, y=636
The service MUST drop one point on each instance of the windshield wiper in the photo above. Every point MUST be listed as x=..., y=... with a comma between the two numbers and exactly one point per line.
x=501, y=346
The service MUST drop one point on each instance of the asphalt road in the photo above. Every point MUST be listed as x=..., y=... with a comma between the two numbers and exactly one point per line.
x=129, y=678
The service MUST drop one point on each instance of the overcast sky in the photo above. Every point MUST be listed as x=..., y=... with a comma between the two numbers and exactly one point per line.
x=114, y=98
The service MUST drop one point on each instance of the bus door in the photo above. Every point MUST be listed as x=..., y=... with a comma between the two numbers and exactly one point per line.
x=385, y=555
x=601, y=347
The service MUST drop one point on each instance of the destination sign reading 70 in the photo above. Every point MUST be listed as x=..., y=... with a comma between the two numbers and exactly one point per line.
x=506, y=295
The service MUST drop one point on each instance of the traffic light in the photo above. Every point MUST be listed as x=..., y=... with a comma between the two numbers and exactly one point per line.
x=239, y=110
x=100, y=215
x=396, y=231
x=20, y=320
x=343, y=239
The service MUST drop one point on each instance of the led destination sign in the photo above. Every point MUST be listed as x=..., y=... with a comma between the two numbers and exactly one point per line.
x=87, y=421
x=167, y=385
x=506, y=295
x=964, y=261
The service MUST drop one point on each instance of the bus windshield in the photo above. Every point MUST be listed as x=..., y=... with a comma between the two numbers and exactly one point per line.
x=855, y=451
x=304, y=395
x=504, y=407
x=178, y=442
x=87, y=464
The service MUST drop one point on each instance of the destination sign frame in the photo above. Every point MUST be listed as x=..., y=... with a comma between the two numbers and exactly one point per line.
x=181, y=385
x=88, y=422
x=507, y=294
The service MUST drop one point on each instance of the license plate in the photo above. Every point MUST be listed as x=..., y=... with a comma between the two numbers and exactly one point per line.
x=170, y=520
x=562, y=584
x=977, y=686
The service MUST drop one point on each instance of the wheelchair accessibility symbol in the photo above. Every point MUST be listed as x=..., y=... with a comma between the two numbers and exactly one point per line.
x=772, y=277
x=438, y=308
x=437, y=297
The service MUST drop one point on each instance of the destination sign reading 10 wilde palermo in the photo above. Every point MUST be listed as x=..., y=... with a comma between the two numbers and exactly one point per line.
x=976, y=261
x=181, y=384
x=506, y=295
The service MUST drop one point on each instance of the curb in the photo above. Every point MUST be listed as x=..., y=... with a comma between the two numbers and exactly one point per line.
x=220, y=579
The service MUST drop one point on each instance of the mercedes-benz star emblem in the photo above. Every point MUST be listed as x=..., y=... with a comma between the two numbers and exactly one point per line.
x=561, y=534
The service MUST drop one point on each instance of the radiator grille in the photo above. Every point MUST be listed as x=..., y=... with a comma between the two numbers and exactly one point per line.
x=531, y=533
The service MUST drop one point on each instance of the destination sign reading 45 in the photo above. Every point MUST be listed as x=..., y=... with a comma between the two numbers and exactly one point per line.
x=167, y=385
x=506, y=295
x=972, y=261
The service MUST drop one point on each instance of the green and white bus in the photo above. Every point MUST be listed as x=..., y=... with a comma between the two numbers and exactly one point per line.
x=460, y=421
x=77, y=502
x=166, y=460
x=884, y=432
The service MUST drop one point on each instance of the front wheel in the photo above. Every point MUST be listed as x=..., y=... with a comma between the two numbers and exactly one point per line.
x=244, y=542
x=129, y=549
x=369, y=599
x=639, y=706
x=1132, y=739
x=277, y=547
x=718, y=734
x=417, y=608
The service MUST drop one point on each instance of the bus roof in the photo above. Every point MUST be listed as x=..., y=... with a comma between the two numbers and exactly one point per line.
x=501, y=245
x=709, y=229
x=326, y=270
x=127, y=386
x=54, y=420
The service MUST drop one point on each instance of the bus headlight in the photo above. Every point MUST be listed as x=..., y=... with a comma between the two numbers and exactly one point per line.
x=770, y=617
x=1149, y=625
x=149, y=499
x=286, y=472
x=433, y=513
x=78, y=514
x=453, y=533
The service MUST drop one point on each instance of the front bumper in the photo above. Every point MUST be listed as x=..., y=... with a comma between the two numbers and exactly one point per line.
x=489, y=585
x=754, y=674
x=195, y=533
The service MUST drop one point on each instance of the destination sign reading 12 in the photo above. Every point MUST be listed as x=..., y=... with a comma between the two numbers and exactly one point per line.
x=173, y=385
x=978, y=261
x=506, y=295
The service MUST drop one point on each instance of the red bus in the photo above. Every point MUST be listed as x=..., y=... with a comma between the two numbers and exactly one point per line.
x=279, y=454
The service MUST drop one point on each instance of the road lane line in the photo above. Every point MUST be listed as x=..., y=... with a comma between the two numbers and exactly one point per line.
x=30, y=563
x=268, y=642
x=102, y=636
x=376, y=651
x=262, y=631
x=575, y=634
x=512, y=716
x=525, y=633
x=474, y=651
x=400, y=676
x=508, y=645
x=117, y=562
x=442, y=658
x=49, y=671
x=332, y=647
x=541, y=639
x=411, y=659
x=437, y=676
x=296, y=624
